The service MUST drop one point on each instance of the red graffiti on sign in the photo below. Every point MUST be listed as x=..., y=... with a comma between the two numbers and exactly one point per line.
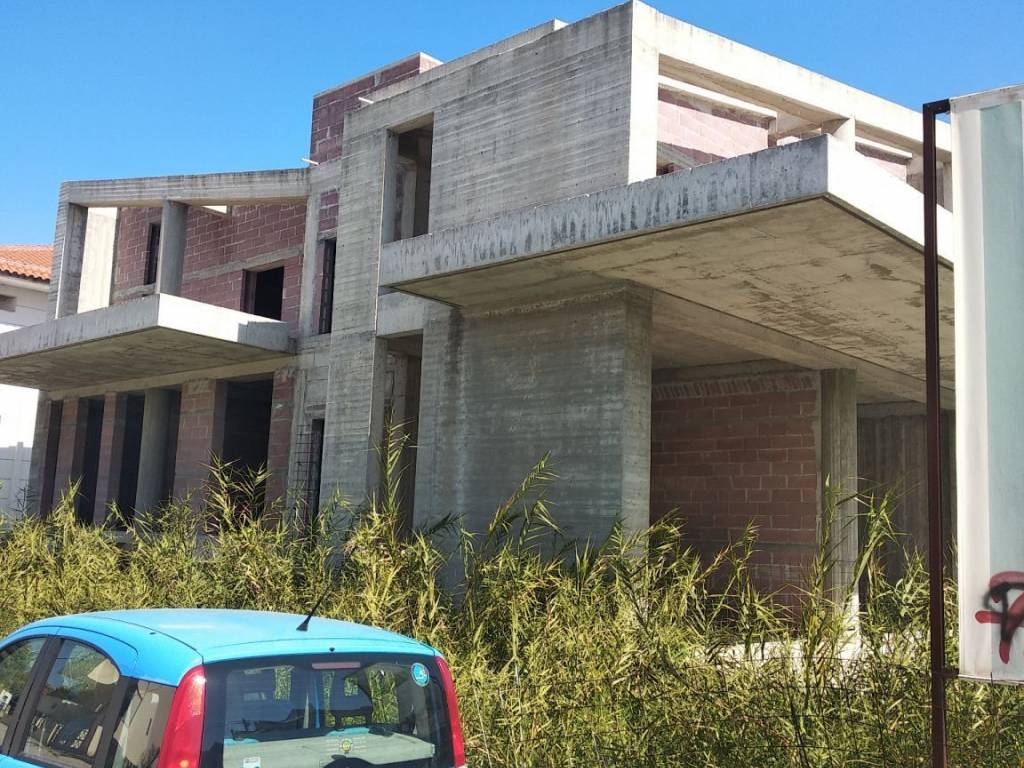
x=1009, y=616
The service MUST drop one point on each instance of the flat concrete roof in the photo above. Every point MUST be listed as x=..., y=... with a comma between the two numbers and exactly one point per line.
x=808, y=246
x=151, y=336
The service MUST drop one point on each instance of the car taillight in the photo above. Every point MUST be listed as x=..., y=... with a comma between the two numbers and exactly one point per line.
x=183, y=736
x=458, y=746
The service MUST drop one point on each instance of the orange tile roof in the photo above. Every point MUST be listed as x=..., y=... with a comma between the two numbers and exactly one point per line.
x=30, y=261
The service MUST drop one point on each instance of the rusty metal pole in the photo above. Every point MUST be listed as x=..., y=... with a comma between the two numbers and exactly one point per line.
x=936, y=537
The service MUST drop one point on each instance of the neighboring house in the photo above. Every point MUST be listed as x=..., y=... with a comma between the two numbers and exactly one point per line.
x=688, y=269
x=24, y=280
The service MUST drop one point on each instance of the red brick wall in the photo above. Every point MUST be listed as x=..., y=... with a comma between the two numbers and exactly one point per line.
x=132, y=241
x=705, y=133
x=330, y=107
x=216, y=249
x=728, y=452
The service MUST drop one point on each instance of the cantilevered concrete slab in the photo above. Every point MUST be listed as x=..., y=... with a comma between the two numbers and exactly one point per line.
x=151, y=336
x=806, y=252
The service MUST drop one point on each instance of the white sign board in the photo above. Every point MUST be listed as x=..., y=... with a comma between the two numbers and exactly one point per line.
x=988, y=211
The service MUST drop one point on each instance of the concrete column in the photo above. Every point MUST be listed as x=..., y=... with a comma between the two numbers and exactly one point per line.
x=170, y=264
x=153, y=449
x=67, y=273
x=45, y=444
x=570, y=378
x=892, y=457
x=838, y=471
x=71, y=449
x=200, y=435
x=436, y=486
x=108, y=479
x=279, y=442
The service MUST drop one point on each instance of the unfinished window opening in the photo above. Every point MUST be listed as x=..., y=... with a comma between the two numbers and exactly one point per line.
x=152, y=253
x=407, y=181
x=329, y=251
x=264, y=292
x=85, y=502
x=247, y=411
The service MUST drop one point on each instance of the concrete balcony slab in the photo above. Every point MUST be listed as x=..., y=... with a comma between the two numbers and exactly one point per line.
x=807, y=252
x=152, y=336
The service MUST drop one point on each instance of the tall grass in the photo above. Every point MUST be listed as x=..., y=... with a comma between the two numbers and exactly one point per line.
x=628, y=652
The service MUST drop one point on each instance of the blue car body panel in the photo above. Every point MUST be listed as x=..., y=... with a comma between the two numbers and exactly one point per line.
x=163, y=644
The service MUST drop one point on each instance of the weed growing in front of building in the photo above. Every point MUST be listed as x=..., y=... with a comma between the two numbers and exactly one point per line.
x=628, y=651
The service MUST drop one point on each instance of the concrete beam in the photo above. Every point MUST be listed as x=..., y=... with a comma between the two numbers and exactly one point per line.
x=153, y=450
x=244, y=188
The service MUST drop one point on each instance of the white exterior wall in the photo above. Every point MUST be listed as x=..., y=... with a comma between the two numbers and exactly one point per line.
x=18, y=404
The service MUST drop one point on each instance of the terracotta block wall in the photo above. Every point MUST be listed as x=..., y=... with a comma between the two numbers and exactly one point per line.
x=705, y=133
x=330, y=107
x=731, y=451
x=217, y=251
x=132, y=242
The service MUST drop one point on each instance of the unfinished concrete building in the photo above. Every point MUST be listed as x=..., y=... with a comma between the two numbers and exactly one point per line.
x=689, y=270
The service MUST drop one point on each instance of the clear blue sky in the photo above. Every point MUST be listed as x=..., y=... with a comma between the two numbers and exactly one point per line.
x=133, y=88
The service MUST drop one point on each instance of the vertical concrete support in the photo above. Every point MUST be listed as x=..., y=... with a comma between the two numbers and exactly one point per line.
x=200, y=435
x=643, y=95
x=436, y=476
x=570, y=378
x=354, y=395
x=71, y=450
x=153, y=450
x=67, y=271
x=45, y=445
x=839, y=474
x=892, y=459
x=171, y=261
x=279, y=442
x=108, y=477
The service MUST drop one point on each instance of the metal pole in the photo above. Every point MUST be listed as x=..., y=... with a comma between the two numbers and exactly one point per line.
x=936, y=539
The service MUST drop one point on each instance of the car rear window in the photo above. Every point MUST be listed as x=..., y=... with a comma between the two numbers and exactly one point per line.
x=318, y=711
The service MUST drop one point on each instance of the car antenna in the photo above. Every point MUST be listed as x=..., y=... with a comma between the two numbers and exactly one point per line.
x=304, y=626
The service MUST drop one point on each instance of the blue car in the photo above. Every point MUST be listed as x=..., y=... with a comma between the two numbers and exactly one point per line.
x=222, y=689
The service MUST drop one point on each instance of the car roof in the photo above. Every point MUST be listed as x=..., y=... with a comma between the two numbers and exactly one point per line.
x=170, y=641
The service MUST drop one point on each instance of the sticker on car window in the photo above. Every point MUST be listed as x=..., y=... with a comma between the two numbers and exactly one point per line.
x=420, y=675
x=6, y=697
x=251, y=762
